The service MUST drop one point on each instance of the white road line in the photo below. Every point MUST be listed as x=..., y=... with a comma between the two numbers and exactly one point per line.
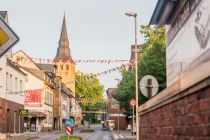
x=105, y=137
x=121, y=136
x=115, y=136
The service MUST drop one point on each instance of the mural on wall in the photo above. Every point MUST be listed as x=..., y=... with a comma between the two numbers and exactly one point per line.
x=202, y=26
x=188, y=40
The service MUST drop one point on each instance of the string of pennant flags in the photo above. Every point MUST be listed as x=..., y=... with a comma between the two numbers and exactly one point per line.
x=116, y=69
x=63, y=99
x=54, y=61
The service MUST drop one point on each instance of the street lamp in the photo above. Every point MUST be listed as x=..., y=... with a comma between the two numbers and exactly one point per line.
x=118, y=110
x=132, y=14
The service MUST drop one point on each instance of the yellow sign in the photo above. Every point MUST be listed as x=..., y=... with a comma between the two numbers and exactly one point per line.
x=23, y=111
x=7, y=37
x=3, y=37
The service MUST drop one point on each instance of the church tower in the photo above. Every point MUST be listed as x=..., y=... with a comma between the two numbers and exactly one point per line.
x=65, y=67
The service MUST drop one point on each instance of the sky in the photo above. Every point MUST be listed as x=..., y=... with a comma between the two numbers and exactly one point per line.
x=97, y=29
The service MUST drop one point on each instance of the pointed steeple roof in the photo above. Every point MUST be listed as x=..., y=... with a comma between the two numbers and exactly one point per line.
x=63, y=51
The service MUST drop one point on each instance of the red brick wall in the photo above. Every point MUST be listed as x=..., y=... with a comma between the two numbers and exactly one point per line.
x=123, y=124
x=114, y=111
x=7, y=109
x=187, y=118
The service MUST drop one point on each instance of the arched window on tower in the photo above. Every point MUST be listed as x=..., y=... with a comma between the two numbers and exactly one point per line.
x=67, y=67
x=61, y=66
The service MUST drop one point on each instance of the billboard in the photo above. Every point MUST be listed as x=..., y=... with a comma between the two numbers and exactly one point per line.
x=33, y=97
x=188, y=40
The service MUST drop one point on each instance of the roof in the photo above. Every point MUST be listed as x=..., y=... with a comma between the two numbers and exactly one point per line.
x=3, y=14
x=27, y=57
x=38, y=73
x=16, y=67
x=162, y=12
x=63, y=51
x=47, y=67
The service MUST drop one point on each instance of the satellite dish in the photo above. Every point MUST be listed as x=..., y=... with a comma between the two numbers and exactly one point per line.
x=148, y=86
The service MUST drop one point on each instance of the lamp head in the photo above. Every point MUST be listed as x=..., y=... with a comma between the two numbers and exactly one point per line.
x=131, y=14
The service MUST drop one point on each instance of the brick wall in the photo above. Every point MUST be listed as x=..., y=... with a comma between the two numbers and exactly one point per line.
x=113, y=112
x=7, y=118
x=184, y=116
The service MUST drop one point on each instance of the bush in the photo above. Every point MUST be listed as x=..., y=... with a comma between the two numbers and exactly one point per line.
x=87, y=130
x=71, y=137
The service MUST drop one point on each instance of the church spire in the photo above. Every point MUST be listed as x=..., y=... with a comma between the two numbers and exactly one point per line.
x=63, y=51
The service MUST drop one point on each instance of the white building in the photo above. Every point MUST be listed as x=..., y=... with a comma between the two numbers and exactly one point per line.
x=12, y=81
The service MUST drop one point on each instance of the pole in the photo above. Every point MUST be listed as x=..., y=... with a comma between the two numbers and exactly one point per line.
x=136, y=70
x=133, y=122
x=118, y=119
x=14, y=121
x=19, y=122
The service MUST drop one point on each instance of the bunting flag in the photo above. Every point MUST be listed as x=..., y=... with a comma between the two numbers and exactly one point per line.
x=54, y=61
x=22, y=93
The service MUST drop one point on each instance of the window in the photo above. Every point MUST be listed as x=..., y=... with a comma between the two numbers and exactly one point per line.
x=67, y=67
x=10, y=82
x=16, y=84
x=21, y=86
x=61, y=67
x=7, y=82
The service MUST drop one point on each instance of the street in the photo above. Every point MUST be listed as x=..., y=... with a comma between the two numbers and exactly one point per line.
x=97, y=135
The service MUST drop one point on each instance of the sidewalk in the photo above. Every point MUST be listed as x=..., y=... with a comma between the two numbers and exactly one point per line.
x=123, y=135
x=31, y=135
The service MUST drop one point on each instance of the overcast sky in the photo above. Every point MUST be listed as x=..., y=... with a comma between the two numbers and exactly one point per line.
x=97, y=29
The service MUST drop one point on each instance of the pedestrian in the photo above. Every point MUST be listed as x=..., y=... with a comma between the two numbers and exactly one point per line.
x=25, y=126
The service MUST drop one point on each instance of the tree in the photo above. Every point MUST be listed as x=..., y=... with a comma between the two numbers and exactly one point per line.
x=152, y=62
x=90, y=91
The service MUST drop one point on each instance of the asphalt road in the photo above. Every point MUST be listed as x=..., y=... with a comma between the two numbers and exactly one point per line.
x=97, y=135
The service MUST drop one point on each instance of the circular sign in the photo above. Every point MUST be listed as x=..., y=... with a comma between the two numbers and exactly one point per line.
x=148, y=84
x=132, y=102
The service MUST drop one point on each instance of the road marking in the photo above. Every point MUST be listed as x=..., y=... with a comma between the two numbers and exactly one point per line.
x=105, y=137
x=115, y=136
x=121, y=136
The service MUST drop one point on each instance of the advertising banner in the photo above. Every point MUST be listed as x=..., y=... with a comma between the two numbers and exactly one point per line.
x=33, y=97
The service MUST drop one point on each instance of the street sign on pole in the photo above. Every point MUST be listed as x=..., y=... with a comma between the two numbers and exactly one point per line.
x=68, y=131
x=69, y=122
x=132, y=102
x=149, y=86
x=7, y=37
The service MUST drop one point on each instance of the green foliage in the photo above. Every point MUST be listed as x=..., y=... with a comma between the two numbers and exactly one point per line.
x=90, y=91
x=152, y=62
x=88, y=130
x=71, y=137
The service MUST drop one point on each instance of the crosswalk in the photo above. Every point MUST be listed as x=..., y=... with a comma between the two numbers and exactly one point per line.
x=118, y=136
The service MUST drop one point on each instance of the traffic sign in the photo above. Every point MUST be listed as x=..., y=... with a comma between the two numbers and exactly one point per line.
x=148, y=86
x=7, y=37
x=69, y=122
x=68, y=130
x=132, y=102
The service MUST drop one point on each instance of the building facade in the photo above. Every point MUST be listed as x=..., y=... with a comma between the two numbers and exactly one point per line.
x=11, y=84
x=182, y=110
x=114, y=112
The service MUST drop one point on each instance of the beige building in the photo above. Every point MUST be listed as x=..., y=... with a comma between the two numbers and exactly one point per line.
x=39, y=96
